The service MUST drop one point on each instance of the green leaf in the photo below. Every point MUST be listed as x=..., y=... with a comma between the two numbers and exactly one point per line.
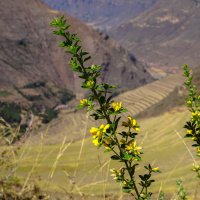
x=83, y=53
x=142, y=177
x=102, y=99
x=116, y=123
x=126, y=189
x=87, y=58
x=127, y=156
x=109, y=99
x=115, y=157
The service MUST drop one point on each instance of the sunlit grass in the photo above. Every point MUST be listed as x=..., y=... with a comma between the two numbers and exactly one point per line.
x=87, y=172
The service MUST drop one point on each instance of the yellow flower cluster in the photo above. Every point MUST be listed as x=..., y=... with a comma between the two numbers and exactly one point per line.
x=98, y=133
x=116, y=106
x=84, y=102
x=133, y=148
x=131, y=123
x=89, y=84
x=196, y=167
x=195, y=115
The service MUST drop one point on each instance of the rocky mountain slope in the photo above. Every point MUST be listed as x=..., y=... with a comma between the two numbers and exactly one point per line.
x=103, y=14
x=165, y=35
x=34, y=70
x=159, y=32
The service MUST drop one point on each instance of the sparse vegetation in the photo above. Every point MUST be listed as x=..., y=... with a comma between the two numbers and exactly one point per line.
x=182, y=194
x=36, y=84
x=10, y=112
x=49, y=115
x=65, y=96
x=11, y=186
x=4, y=93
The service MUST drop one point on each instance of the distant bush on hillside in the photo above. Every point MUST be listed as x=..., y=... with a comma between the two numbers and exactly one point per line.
x=10, y=112
x=49, y=115
x=35, y=84
x=65, y=96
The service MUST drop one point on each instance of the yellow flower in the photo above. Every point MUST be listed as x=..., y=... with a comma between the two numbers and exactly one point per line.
x=137, y=129
x=195, y=115
x=89, y=84
x=96, y=142
x=189, y=131
x=84, y=102
x=117, y=106
x=131, y=123
x=196, y=167
x=94, y=131
x=133, y=148
x=103, y=128
x=98, y=132
x=194, y=138
x=155, y=169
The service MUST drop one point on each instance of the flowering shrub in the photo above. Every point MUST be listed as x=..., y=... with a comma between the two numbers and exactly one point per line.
x=193, y=104
x=121, y=144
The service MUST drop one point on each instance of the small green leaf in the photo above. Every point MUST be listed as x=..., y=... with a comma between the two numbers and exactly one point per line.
x=126, y=189
x=115, y=157
x=87, y=58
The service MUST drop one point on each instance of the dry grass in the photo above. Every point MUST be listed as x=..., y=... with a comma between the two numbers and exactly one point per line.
x=77, y=169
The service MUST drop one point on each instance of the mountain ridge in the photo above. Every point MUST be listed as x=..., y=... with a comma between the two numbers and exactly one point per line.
x=102, y=14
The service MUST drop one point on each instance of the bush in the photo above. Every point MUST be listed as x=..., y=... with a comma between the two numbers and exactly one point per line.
x=49, y=115
x=10, y=112
x=66, y=96
x=33, y=97
x=35, y=84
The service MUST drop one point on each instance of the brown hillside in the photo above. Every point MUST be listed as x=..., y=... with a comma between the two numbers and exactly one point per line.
x=29, y=54
x=165, y=35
